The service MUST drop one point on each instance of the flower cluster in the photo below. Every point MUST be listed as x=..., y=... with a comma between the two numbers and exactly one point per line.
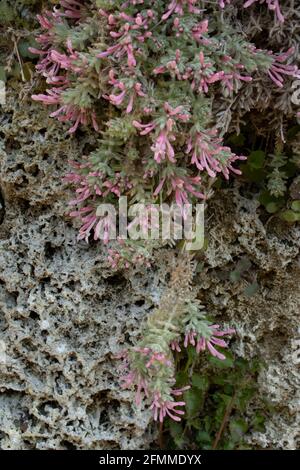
x=117, y=67
x=273, y=5
x=149, y=367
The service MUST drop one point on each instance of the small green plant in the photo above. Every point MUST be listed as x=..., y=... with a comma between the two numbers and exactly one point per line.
x=16, y=37
x=222, y=406
x=272, y=169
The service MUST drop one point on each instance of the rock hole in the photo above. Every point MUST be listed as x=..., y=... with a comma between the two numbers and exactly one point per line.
x=34, y=315
x=68, y=445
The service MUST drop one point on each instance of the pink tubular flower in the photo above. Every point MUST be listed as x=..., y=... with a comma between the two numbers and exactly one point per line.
x=130, y=28
x=162, y=147
x=161, y=408
x=176, y=6
x=103, y=227
x=158, y=357
x=222, y=3
x=273, y=5
x=199, y=30
x=175, y=346
x=70, y=112
x=182, y=188
x=54, y=65
x=90, y=186
x=72, y=9
x=171, y=66
x=208, y=154
x=65, y=61
x=146, y=220
x=202, y=343
x=133, y=378
x=185, y=185
x=233, y=78
x=46, y=67
x=120, y=49
x=205, y=75
x=94, y=183
x=137, y=91
x=153, y=357
x=278, y=69
x=144, y=128
x=118, y=99
x=190, y=338
x=53, y=97
x=47, y=19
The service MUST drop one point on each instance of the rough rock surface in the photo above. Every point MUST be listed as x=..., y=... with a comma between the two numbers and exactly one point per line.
x=64, y=315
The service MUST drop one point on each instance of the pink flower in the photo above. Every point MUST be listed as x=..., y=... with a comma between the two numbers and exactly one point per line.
x=181, y=187
x=223, y=2
x=134, y=379
x=158, y=357
x=278, y=69
x=190, y=338
x=175, y=346
x=162, y=147
x=146, y=221
x=95, y=183
x=199, y=30
x=73, y=113
x=205, y=75
x=118, y=99
x=208, y=154
x=131, y=29
x=153, y=357
x=120, y=49
x=65, y=61
x=47, y=19
x=171, y=66
x=177, y=112
x=184, y=186
x=234, y=78
x=272, y=5
x=176, y=6
x=202, y=343
x=53, y=97
x=162, y=408
x=73, y=9
x=144, y=128
x=103, y=227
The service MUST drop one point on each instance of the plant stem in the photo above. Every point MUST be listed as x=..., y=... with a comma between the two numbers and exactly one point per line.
x=161, y=435
x=224, y=422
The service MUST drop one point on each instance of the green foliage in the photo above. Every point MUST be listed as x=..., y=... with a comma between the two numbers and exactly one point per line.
x=222, y=406
x=271, y=168
x=17, y=23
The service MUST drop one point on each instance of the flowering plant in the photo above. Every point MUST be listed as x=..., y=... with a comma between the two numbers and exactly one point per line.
x=147, y=76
